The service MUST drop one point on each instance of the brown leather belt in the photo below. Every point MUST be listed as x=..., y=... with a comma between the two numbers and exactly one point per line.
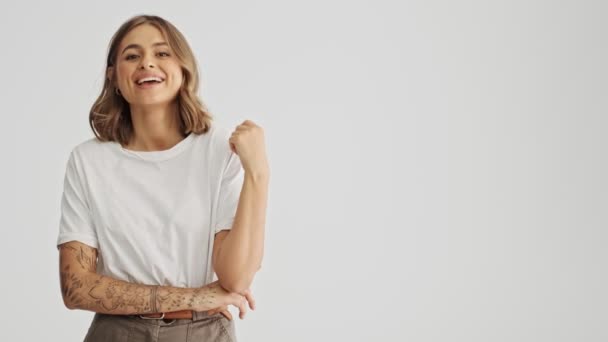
x=183, y=314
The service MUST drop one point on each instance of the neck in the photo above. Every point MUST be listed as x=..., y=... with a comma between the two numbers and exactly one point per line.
x=155, y=128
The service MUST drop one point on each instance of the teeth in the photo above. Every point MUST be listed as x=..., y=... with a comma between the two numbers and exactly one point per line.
x=158, y=79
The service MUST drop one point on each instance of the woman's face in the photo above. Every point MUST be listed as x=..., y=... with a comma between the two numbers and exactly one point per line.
x=144, y=53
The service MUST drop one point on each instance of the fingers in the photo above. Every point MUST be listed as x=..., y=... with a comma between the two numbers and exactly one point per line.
x=215, y=310
x=245, y=124
x=227, y=314
x=242, y=307
x=249, y=296
x=223, y=310
x=239, y=300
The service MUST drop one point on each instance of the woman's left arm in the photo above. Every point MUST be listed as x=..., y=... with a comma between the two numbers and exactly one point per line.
x=242, y=249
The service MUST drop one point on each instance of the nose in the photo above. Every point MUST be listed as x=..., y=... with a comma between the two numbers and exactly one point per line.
x=146, y=62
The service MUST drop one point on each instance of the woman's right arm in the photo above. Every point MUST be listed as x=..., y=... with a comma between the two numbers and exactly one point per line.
x=82, y=288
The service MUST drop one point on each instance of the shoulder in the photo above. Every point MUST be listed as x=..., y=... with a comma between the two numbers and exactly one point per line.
x=216, y=147
x=89, y=150
x=217, y=139
x=87, y=145
x=220, y=133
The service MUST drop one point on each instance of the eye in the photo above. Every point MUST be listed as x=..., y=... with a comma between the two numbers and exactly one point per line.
x=163, y=52
x=129, y=57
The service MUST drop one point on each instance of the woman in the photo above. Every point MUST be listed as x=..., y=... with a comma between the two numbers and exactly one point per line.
x=160, y=201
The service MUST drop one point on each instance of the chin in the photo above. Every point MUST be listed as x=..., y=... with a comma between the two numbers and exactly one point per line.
x=153, y=100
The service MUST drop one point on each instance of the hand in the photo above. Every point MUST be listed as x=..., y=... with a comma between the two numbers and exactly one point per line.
x=247, y=141
x=223, y=310
x=223, y=298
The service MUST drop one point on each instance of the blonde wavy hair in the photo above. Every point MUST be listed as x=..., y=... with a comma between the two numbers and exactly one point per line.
x=110, y=115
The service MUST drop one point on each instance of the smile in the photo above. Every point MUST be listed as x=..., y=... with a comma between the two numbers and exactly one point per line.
x=148, y=84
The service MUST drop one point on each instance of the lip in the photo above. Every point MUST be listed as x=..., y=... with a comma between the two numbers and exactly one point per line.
x=147, y=74
x=148, y=85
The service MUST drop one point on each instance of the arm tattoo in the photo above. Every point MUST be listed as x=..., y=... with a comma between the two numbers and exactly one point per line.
x=83, y=288
x=153, y=299
x=87, y=261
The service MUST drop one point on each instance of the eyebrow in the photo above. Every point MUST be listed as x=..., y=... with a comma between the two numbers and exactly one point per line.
x=136, y=46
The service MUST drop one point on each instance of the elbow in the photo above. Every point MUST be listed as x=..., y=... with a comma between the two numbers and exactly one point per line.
x=69, y=305
x=66, y=296
x=237, y=280
x=67, y=302
x=234, y=286
x=237, y=284
x=70, y=291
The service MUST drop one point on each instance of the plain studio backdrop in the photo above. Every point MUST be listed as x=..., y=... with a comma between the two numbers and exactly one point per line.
x=438, y=168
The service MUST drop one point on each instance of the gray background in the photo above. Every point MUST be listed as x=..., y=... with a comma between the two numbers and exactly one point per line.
x=438, y=167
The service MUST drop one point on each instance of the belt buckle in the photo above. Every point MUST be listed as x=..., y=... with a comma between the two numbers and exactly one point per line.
x=161, y=317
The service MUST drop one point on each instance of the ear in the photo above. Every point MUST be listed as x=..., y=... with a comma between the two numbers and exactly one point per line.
x=110, y=73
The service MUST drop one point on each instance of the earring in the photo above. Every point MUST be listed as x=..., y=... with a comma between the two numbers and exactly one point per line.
x=117, y=91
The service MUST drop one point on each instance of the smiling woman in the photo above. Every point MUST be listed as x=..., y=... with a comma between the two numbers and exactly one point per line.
x=154, y=198
x=151, y=50
x=146, y=63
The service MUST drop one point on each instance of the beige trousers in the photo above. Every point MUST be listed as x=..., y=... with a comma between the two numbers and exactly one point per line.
x=123, y=328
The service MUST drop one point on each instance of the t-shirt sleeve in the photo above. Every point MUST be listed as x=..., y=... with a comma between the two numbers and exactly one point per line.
x=230, y=192
x=75, y=222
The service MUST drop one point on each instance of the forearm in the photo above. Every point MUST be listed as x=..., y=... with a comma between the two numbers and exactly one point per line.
x=94, y=292
x=242, y=250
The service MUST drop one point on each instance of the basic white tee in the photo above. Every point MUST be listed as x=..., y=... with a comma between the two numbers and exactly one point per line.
x=152, y=215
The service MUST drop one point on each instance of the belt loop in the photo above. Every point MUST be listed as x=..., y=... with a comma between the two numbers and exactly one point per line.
x=198, y=315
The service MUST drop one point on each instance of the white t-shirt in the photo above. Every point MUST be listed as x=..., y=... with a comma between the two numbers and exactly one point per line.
x=152, y=215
